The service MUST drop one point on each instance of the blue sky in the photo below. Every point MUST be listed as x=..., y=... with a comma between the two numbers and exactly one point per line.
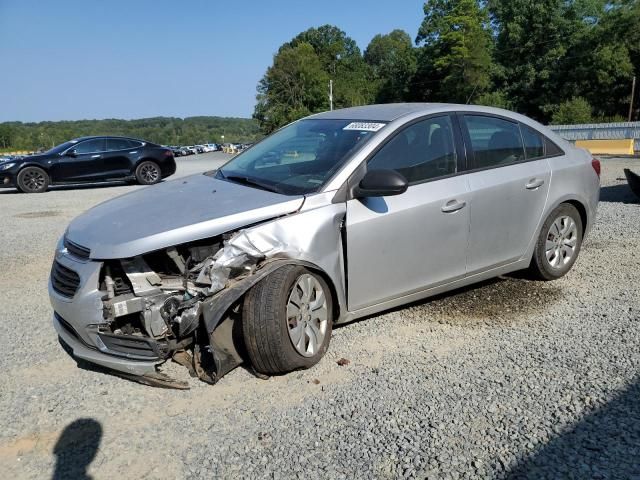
x=68, y=59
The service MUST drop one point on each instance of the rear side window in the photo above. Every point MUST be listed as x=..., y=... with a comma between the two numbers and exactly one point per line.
x=118, y=144
x=422, y=151
x=90, y=146
x=533, y=142
x=552, y=149
x=494, y=141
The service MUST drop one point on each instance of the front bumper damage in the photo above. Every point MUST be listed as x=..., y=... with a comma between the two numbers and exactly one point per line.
x=131, y=318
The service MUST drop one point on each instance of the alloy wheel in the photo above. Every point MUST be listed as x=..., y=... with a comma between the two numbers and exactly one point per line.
x=307, y=315
x=33, y=180
x=561, y=243
x=149, y=172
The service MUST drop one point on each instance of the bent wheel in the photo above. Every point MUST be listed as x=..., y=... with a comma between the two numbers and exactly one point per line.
x=287, y=320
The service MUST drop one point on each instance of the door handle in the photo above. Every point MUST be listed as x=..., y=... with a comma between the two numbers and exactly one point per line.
x=453, y=206
x=96, y=156
x=534, y=183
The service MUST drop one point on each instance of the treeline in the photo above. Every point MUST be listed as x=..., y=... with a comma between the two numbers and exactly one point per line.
x=558, y=61
x=162, y=130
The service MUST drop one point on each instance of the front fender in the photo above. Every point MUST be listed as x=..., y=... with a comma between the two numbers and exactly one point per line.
x=214, y=308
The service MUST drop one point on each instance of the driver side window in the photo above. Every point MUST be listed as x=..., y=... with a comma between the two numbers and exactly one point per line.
x=90, y=146
x=422, y=151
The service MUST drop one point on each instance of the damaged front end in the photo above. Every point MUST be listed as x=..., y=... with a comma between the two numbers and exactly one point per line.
x=180, y=304
x=183, y=302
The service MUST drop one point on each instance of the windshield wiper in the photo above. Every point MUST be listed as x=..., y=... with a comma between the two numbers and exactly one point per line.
x=250, y=182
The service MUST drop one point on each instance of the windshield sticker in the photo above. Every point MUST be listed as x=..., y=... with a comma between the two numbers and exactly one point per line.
x=364, y=126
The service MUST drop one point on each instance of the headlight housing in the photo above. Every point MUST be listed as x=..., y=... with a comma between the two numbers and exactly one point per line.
x=6, y=166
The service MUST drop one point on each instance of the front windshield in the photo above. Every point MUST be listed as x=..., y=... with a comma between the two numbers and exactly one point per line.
x=300, y=158
x=62, y=147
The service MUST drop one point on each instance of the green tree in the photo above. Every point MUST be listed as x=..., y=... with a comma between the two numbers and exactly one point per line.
x=553, y=50
x=30, y=136
x=297, y=83
x=574, y=111
x=332, y=45
x=393, y=61
x=530, y=41
x=294, y=86
x=621, y=26
x=7, y=133
x=494, y=99
x=455, y=59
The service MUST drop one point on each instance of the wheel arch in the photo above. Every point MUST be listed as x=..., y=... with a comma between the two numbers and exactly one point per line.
x=146, y=159
x=225, y=350
x=578, y=203
x=216, y=308
x=582, y=210
x=45, y=168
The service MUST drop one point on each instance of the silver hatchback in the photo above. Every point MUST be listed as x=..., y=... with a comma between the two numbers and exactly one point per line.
x=336, y=216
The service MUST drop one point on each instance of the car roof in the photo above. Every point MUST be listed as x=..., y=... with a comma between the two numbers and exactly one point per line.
x=393, y=111
x=92, y=137
x=385, y=113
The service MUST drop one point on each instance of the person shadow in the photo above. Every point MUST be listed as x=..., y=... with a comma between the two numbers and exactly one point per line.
x=76, y=448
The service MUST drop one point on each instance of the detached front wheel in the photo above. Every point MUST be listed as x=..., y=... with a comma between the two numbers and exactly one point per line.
x=287, y=320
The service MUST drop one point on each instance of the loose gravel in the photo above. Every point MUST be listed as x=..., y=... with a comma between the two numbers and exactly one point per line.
x=508, y=379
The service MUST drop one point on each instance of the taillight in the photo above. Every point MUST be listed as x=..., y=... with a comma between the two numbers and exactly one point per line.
x=595, y=163
x=169, y=153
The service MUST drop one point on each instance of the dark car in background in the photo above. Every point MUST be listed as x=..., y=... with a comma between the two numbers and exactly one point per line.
x=89, y=160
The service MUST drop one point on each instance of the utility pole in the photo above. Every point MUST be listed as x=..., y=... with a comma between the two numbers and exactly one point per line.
x=633, y=92
x=331, y=93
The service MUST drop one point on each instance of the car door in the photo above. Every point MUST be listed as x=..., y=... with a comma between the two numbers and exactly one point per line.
x=117, y=159
x=509, y=188
x=80, y=163
x=401, y=244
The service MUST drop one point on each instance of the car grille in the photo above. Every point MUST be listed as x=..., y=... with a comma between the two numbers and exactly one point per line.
x=76, y=250
x=64, y=281
x=129, y=346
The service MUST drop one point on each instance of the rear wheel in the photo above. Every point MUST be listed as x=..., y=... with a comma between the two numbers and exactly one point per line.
x=287, y=320
x=558, y=244
x=148, y=173
x=33, y=180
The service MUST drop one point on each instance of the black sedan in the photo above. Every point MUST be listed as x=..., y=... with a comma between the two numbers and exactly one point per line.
x=89, y=160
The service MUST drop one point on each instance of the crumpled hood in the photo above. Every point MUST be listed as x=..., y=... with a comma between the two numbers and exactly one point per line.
x=172, y=213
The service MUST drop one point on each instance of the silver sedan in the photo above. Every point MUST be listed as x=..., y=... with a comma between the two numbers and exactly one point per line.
x=337, y=216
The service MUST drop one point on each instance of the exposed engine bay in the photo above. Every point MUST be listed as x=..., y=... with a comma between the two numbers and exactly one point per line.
x=159, y=299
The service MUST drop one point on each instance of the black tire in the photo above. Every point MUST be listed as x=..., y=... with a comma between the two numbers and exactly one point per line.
x=265, y=326
x=541, y=267
x=33, y=180
x=148, y=173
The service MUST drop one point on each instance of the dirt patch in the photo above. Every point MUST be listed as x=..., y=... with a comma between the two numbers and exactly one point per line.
x=18, y=447
x=42, y=214
x=500, y=301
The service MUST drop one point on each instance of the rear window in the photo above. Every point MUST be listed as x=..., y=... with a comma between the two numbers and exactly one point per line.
x=552, y=150
x=119, y=144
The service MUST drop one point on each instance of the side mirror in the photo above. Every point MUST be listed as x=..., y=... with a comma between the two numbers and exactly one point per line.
x=71, y=153
x=381, y=183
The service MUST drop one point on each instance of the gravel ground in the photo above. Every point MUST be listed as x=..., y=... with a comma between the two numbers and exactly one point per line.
x=508, y=379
